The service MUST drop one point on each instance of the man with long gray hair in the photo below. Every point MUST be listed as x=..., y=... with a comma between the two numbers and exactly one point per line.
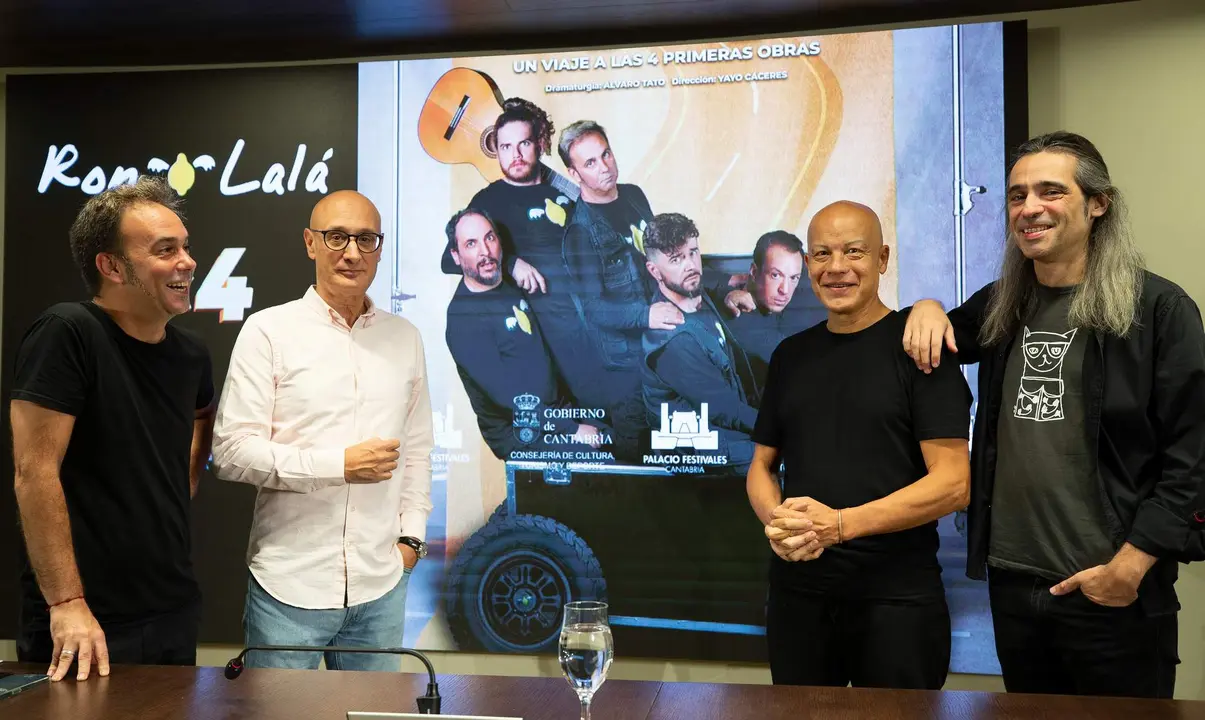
x=1087, y=480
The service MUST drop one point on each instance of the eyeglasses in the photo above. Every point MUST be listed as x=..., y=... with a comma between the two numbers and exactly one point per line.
x=367, y=242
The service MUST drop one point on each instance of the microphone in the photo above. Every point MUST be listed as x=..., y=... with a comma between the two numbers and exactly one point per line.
x=427, y=704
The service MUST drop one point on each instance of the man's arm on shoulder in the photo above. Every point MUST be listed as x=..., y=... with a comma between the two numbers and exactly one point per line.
x=1171, y=520
x=40, y=438
x=243, y=450
x=718, y=284
x=967, y=320
x=929, y=329
x=419, y=441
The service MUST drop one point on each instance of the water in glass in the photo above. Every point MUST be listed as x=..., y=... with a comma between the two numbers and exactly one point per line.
x=586, y=649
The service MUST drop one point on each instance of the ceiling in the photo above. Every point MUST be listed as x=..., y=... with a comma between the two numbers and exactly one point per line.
x=90, y=33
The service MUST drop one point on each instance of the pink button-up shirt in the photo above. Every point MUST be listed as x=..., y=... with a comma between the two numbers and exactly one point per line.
x=301, y=388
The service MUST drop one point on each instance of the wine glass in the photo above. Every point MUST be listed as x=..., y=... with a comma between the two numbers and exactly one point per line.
x=586, y=649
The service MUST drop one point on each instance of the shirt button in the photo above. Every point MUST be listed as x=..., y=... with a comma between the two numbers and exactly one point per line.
x=353, y=508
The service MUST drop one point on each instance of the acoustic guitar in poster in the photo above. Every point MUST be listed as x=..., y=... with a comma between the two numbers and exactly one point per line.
x=456, y=125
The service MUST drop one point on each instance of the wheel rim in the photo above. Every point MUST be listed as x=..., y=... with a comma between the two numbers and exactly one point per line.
x=521, y=598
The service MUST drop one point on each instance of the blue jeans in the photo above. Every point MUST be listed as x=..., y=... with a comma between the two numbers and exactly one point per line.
x=379, y=623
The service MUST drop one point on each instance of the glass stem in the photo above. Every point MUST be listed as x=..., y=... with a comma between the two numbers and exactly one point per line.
x=585, y=708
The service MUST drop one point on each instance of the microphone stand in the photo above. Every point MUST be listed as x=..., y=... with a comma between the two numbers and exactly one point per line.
x=427, y=704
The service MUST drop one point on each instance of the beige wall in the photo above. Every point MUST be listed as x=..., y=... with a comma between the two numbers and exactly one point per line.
x=1130, y=77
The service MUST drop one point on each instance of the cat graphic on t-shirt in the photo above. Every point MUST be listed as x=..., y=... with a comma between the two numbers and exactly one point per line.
x=1040, y=397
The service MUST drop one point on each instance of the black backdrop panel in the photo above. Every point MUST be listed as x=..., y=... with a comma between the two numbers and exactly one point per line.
x=126, y=120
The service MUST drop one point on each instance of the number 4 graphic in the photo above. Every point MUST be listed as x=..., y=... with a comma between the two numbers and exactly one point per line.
x=230, y=296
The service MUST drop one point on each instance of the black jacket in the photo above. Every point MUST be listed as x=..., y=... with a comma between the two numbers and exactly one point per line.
x=612, y=288
x=1145, y=404
x=693, y=364
x=610, y=285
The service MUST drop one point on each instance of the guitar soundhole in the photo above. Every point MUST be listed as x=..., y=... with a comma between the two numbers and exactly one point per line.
x=489, y=142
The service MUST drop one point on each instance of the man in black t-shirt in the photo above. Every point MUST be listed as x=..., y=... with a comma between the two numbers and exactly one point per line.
x=111, y=411
x=771, y=307
x=499, y=351
x=529, y=203
x=874, y=451
x=529, y=206
x=612, y=291
x=695, y=367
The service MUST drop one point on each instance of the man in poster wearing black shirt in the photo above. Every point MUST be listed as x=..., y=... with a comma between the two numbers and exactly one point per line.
x=764, y=313
x=613, y=291
x=696, y=362
x=529, y=208
x=604, y=254
x=874, y=452
x=499, y=351
x=112, y=410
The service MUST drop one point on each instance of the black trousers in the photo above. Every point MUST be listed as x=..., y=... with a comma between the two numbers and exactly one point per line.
x=817, y=640
x=168, y=639
x=1069, y=645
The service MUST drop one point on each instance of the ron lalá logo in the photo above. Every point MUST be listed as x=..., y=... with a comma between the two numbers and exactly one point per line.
x=182, y=173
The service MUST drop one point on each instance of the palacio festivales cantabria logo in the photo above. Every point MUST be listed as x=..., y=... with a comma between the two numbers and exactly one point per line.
x=221, y=291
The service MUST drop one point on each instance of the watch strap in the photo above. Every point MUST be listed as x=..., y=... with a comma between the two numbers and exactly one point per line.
x=417, y=545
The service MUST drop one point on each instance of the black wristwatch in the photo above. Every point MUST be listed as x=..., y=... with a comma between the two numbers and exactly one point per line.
x=419, y=547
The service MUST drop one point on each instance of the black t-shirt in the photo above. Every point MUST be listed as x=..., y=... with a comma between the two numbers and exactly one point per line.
x=847, y=412
x=125, y=473
x=628, y=215
x=530, y=221
x=687, y=367
x=759, y=332
x=1048, y=515
x=499, y=351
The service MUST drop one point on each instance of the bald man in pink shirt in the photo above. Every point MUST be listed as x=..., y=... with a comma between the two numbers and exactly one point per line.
x=326, y=410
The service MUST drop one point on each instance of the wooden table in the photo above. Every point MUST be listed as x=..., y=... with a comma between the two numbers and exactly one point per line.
x=154, y=693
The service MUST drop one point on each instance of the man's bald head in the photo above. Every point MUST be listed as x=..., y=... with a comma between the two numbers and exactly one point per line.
x=846, y=256
x=846, y=218
x=345, y=206
x=348, y=268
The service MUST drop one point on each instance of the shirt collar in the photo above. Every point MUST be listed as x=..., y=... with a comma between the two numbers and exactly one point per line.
x=315, y=301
